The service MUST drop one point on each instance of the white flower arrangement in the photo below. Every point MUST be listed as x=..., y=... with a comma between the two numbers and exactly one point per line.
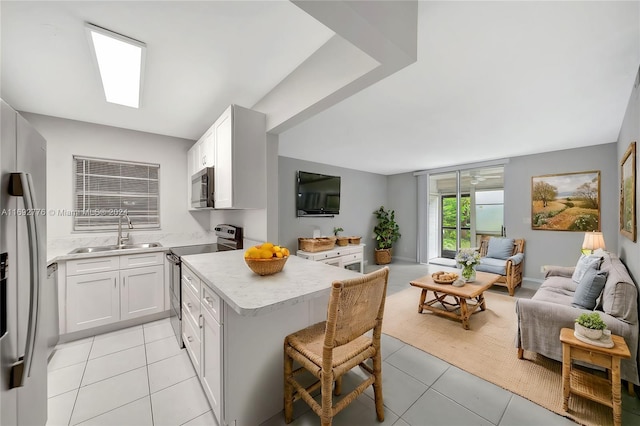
x=467, y=258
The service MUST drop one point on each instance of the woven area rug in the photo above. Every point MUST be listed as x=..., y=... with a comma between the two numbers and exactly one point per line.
x=488, y=351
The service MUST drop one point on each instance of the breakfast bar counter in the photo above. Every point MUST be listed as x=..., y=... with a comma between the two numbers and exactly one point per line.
x=249, y=294
x=238, y=352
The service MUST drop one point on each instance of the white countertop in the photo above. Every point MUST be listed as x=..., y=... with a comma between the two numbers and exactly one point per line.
x=250, y=294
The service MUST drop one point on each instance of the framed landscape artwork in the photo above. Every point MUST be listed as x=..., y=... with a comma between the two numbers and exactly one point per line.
x=566, y=202
x=628, y=193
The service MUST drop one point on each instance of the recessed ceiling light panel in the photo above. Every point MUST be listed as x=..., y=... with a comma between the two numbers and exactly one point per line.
x=120, y=62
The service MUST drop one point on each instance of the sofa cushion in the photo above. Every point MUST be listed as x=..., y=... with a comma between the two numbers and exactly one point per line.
x=500, y=248
x=589, y=289
x=494, y=266
x=620, y=292
x=585, y=262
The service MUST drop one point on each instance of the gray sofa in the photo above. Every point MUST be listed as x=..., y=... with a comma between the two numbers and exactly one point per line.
x=550, y=309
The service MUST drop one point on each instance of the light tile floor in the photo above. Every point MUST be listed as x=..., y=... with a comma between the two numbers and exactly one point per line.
x=139, y=376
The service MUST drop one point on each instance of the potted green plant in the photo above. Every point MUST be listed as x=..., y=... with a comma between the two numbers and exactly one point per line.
x=590, y=326
x=386, y=232
x=341, y=241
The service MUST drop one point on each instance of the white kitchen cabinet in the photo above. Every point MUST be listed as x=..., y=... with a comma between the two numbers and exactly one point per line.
x=141, y=291
x=211, y=358
x=236, y=146
x=126, y=287
x=191, y=339
x=343, y=257
x=92, y=300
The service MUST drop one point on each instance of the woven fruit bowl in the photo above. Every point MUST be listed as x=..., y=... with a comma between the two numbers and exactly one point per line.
x=442, y=277
x=266, y=266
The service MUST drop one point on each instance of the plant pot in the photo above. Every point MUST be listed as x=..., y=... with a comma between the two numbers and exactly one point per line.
x=383, y=256
x=589, y=333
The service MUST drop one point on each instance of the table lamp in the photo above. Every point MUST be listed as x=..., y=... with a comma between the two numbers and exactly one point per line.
x=592, y=241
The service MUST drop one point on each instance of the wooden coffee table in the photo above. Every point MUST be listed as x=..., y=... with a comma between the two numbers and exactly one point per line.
x=452, y=301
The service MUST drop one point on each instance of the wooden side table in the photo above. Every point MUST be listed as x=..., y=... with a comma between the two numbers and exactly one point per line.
x=598, y=389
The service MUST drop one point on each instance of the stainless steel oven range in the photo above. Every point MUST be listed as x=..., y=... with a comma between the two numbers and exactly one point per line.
x=229, y=238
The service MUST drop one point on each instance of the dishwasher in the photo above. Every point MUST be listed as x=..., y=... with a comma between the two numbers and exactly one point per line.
x=229, y=237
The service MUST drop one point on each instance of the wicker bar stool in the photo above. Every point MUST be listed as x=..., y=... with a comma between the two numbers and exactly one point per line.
x=331, y=348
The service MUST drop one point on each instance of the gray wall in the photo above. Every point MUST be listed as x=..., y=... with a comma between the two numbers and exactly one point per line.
x=558, y=247
x=360, y=194
x=541, y=247
x=628, y=250
x=403, y=195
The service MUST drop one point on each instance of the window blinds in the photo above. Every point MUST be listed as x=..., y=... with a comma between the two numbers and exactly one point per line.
x=106, y=189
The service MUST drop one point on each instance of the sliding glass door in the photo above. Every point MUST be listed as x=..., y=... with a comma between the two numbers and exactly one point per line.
x=464, y=206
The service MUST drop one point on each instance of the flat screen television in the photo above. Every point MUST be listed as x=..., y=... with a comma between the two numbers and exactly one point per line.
x=317, y=194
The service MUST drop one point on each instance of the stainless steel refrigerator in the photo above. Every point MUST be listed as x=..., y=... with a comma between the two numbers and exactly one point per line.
x=24, y=300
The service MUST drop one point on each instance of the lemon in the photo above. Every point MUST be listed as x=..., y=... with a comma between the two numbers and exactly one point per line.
x=265, y=254
x=285, y=251
x=266, y=246
x=278, y=254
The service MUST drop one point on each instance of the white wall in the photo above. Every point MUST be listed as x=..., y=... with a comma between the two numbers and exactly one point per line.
x=66, y=138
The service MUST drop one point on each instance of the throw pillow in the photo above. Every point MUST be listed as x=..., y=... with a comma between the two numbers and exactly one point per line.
x=589, y=289
x=585, y=262
x=500, y=248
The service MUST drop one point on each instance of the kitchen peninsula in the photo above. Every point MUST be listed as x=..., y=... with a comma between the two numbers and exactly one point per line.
x=243, y=319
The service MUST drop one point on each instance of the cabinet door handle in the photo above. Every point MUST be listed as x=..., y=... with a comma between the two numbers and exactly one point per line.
x=190, y=339
x=124, y=281
x=189, y=305
x=115, y=282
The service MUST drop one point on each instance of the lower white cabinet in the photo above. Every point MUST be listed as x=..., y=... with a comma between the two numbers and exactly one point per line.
x=141, y=291
x=99, y=298
x=211, y=362
x=202, y=335
x=92, y=300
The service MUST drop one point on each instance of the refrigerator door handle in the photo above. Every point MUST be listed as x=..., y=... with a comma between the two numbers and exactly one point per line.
x=21, y=185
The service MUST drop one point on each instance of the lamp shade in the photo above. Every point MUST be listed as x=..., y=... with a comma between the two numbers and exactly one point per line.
x=593, y=241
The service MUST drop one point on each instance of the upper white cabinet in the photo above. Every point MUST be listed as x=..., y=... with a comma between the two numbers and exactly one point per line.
x=235, y=145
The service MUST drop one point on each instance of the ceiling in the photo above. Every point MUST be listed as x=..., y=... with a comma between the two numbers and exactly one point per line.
x=492, y=79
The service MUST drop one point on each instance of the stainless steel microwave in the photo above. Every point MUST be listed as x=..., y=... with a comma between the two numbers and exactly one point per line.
x=202, y=186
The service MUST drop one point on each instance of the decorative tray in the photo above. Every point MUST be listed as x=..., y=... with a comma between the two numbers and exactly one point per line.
x=442, y=277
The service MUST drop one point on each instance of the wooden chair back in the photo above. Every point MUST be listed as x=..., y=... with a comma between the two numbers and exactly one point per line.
x=355, y=307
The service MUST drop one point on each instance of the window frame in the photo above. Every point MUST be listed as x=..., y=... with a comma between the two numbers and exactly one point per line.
x=112, y=212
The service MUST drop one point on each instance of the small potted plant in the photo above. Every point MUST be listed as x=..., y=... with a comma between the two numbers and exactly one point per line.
x=590, y=326
x=386, y=232
x=341, y=241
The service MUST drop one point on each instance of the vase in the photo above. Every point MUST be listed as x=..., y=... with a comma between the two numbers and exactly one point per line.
x=469, y=273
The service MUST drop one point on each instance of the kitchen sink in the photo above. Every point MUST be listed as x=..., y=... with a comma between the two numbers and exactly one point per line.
x=114, y=248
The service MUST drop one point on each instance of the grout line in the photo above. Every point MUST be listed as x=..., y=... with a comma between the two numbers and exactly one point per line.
x=81, y=378
x=146, y=359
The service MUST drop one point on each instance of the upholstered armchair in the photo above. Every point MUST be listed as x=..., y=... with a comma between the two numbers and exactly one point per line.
x=505, y=257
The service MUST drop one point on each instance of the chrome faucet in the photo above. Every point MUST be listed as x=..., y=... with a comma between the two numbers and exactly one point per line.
x=122, y=239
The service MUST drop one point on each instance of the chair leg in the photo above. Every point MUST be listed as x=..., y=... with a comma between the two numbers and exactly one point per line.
x=377, y=385
x=327, y=399
x=520, y=353
x=288, y=388
x=338, y=388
